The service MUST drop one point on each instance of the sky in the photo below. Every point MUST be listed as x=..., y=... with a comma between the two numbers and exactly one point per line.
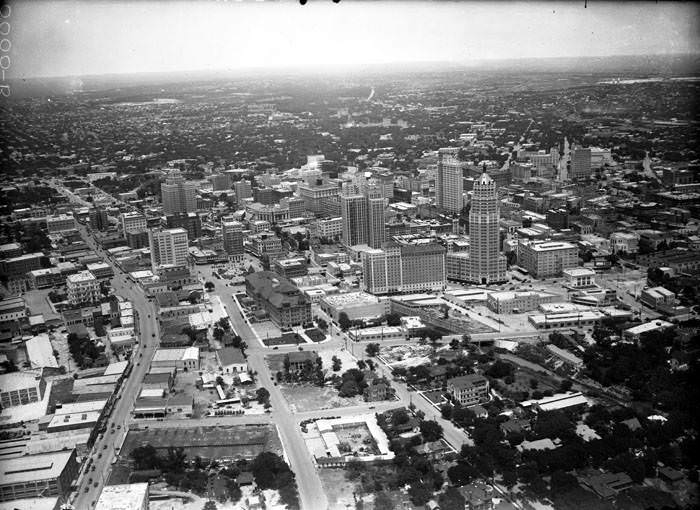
x=74, y=38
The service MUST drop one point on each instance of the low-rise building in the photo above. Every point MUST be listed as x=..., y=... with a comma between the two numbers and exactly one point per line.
x=231, y=360
x=20, y=388
x=43, y=475
x=130, y=496
x=356, y=305
x=517, y=302
x=579, y=277
x=469, y=390
x=184, y=359
x=377, y=334
x=624, y=242
x=60, y=223
x=658, y=298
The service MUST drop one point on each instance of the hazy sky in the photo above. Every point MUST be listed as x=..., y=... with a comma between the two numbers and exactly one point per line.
x=63, y=38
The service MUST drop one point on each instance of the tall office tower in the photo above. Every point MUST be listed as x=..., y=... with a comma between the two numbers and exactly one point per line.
x=177, y=194
x=132, y=221
x=564, y=161
x=189, y=221
x=375, y=219
x=98, y=218
x=232, y=232
x=581, y=163
x=486, y=263
x=353, y=209
x=449, y=184
x=169, y=247
x=243, y=190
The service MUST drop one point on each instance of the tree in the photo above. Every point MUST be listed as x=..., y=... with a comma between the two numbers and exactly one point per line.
x=461, y=473
x=431, y=430
x=399, y=417
x=262, y=395
x=499, y=369
x=233, y=490
x=322, y=324
x=420, y=493
x=451, y=499
x=446, y=411
x=224, y=324
x=209, y=286
x=209, y=505
x=344, y=321
x=393, y=319
x=382, y=501
x=218, y=334
x=372, y=349
x=349, y=388
x=336, y=363
x=145, y=457
x=455, y=344
x=565, y=385
x=175, y=460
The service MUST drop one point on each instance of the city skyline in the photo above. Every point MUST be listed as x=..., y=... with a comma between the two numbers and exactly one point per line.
x=68, y=38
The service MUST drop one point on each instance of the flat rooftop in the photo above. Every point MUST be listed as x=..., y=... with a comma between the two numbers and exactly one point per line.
x=123, y=497
x=351, y=298
x=33, y=467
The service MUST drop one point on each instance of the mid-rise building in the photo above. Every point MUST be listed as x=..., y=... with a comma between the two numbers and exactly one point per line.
x=469, y=390
x=34, y=476
x=290, y=268
x=286, y=305
x=449, y=182
x=658, y=298
x=131, y=221
x=98, y=218
x=243, y=190
x=60, y=223
x=266, y=244
x=316, y=196
x=330, y=228
x=177, y=194
x=189, y=221
x=83, y=287
x=404, y=268
x=21, y=265
x=232, y=233
x=546, y=258
x=487, y=264
x=168, y=247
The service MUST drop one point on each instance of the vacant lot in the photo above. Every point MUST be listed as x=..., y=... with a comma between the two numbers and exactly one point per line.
x=305, y=397
x=338, y=489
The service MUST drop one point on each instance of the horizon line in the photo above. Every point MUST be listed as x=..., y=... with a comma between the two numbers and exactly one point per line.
x=320, y=68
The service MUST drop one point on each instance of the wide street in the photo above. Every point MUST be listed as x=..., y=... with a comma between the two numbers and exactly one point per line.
x=103, y=451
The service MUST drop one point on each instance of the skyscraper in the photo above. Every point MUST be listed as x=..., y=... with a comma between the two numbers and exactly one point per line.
x=375, y=219
x=177, y=194
x=581, y=163
x=363, y=218
x=449, y=184
x=486, y=263
x=169, y=247
x=353, y=209
x=232, y=232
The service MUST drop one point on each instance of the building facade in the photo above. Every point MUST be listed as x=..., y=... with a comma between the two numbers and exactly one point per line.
x=546, y=258
x=449, y=182
x=286, y=305
x=232, y=233
x=487, y=264
x=168, y=247
x=83, y=287
x=177, y=194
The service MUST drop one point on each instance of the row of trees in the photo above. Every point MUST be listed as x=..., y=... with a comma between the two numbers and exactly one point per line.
x=85, y=352
x=269, y=471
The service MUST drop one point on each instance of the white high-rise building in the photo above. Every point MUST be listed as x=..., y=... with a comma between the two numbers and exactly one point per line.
x=449, y=182
x=404, y=268
x=177, y=194
x=232, y=232
x=486, y=263
x=169, y=247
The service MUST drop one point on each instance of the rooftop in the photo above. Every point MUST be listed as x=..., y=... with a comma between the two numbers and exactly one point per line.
x=230, y=356
x=351, y=298
x=123, y=497
x=33, y=467
x=176, y=354
x=81, y=277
